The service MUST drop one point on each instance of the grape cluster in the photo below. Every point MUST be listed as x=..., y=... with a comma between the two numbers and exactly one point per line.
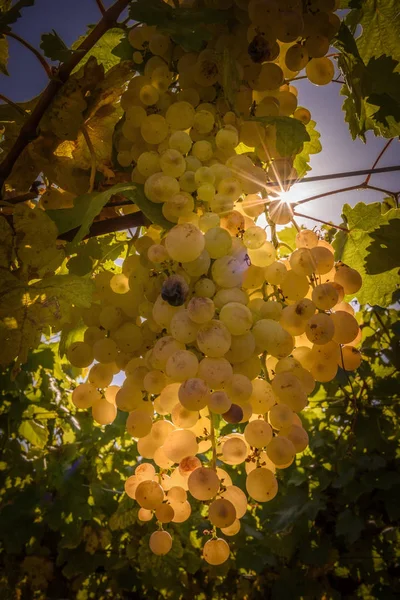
x=212, y=328
x=244, y=346
x=180, y=133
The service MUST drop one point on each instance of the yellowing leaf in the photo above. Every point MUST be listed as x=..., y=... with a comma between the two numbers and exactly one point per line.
x=36, y=241
x=35, y=433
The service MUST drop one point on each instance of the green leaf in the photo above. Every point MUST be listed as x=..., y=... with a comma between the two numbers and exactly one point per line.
x=54, y=47
x=103, y=50
x=35, y=433
x=151, y=210
x=85, y=209
x=11, y=15
x=349, y=525
x=371, y=87
x=353, y=249
x=291, y=134
x=3, y=56
x=380, y=22
x=186, y=26
x=288, y=236
x=313, y=146
x=383, y=251
x=69, y=289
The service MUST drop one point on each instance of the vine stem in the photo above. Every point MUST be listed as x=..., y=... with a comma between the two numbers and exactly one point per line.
x=92, y=157
x=213, y=442
x=321, y=221
x=28, y=131
x=108, y=226
x=27, y=45
x=101, y=6
x=11, y=103
x=382, y=152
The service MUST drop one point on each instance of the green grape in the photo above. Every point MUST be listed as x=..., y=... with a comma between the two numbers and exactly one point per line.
x=261, y=484
x=320, y=71
x=228, y=272
x=350, y=358
x=182, y=365
x=172, y=163
x=203, y=483
x=216, y=551
x=154, y=129
x=203, y=121
x=213, y=339
x=103, y=412
x=346, y=327
x=280, y=451
x=194, y=395
x=296, y=58
x=105, y=350
x=348, y=278
x=179, y=444
x=201, y=310
x=85, y=395
x=297, y=435
x=317, y=46
x=101, y=375
x=258, y=434
x=320, y=329
x=254, y=237
x=184, y=242
x=180, y=115
x=215, y=372
x=237, y=318
x=218, y=242
x=205, y=287
x=219, y=402
x=180, y=141
x=221, y=513
x=149, y=494
x=138, y=423
x=80, y=354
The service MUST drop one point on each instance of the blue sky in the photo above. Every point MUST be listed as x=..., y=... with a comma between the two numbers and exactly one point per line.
x=70, y=18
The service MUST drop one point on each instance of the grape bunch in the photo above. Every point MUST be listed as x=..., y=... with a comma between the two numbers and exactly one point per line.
x=191, y=147
x=213, y=330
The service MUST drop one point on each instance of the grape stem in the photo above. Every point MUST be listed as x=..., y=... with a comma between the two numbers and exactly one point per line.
x=386, y=146
x=92, y=157
x=11, y=103
x=213, y=441
x=101, y=6
x=322, y=221
x=27, y=45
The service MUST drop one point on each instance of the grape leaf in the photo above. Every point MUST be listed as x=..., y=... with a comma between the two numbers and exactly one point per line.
x=291, y=134
x=313, y=146
x=103, y=50
x=288, y=236
x=13, y=13
x=380, y=22
x=353, y=247
x=151, y=210
x=3, y=56
x=69, y=289
x=85, y=209
x=383, y=252
x=186, y=26
x=349, y=525
x=35, y=433
x=35, y=246
x=371, y=88
x=54, y=47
